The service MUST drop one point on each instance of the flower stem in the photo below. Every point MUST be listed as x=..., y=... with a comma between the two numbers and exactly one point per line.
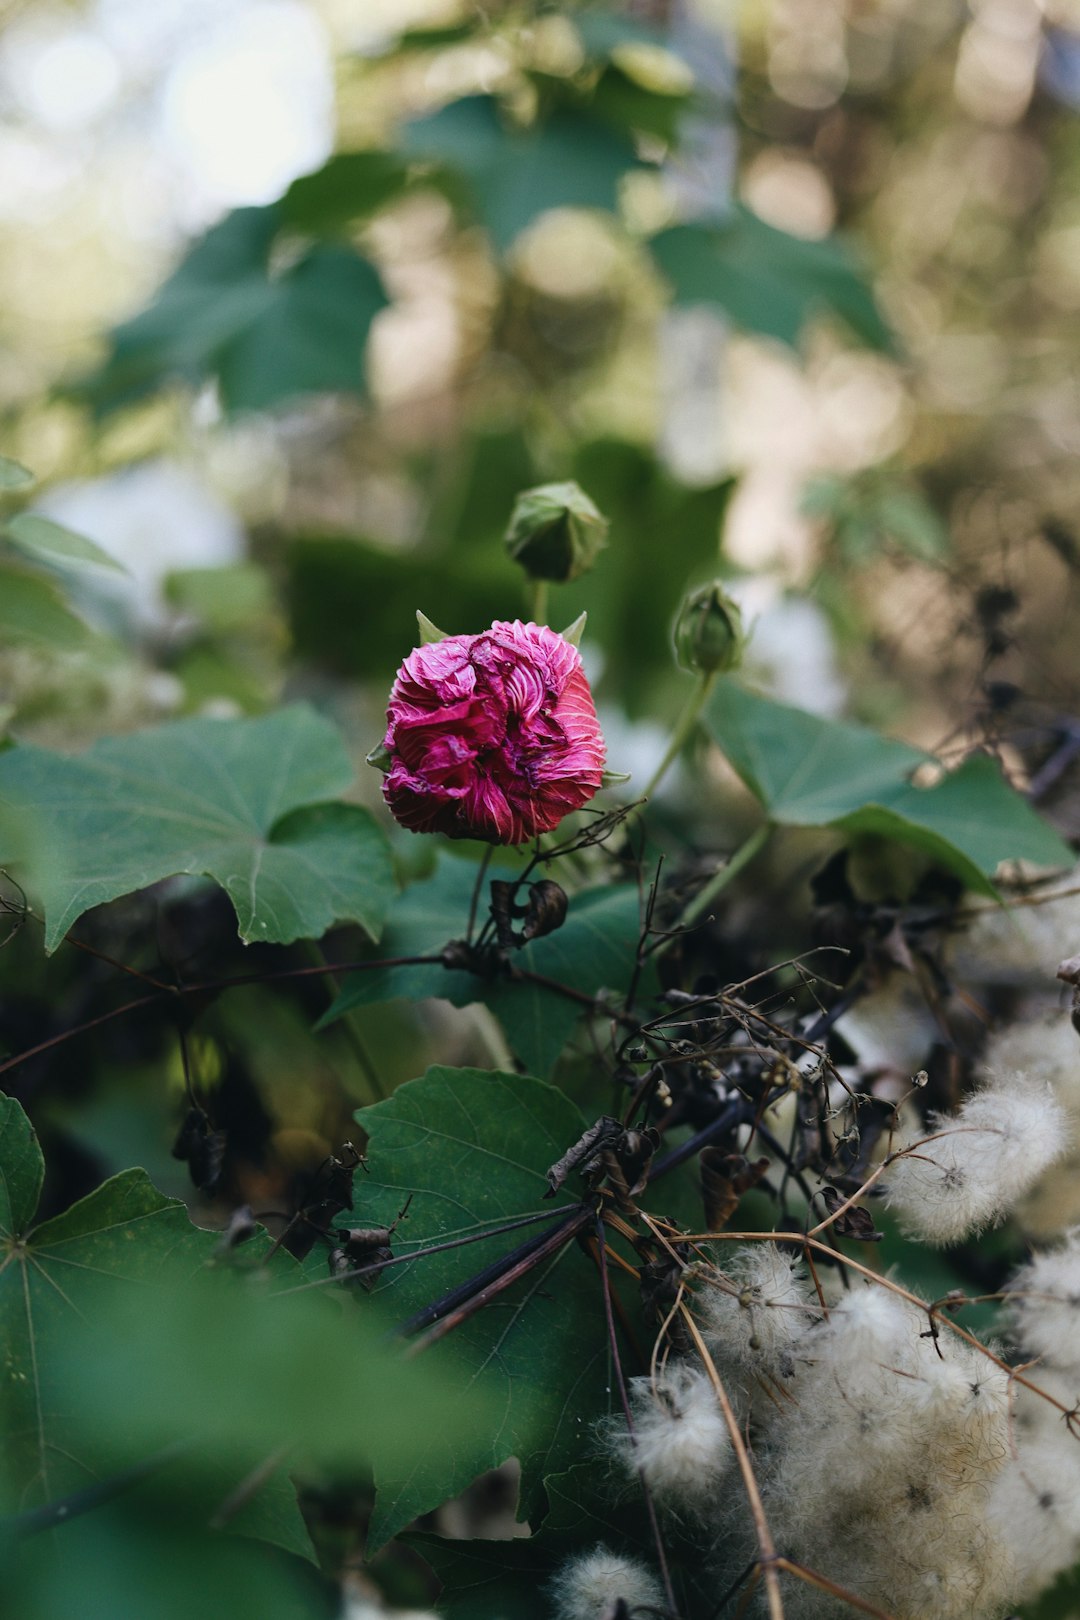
x=538, y=600
x=681, y=735
x=731, y=869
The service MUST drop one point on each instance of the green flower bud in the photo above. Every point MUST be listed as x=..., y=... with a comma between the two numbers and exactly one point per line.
x=709, y=634
x=555, y=532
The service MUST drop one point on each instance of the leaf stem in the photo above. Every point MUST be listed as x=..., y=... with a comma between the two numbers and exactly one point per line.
x=731, y=869
x=351, y=1029
x=684, y=727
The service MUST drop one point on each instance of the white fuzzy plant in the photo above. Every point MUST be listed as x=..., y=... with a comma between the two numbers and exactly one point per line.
x=894, y=1465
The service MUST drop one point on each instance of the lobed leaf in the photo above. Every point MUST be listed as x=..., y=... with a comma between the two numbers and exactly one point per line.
x=768, y=281
x=810, y=772
x=236, y=800
x=472, y=1147
x=569, y=160
x=228, y=314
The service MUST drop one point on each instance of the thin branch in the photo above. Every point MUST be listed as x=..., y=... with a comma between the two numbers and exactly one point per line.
x=464, y=1301
x=767, y=1559
x=624, y=1401
x=379, y=1266
x=53, y=1514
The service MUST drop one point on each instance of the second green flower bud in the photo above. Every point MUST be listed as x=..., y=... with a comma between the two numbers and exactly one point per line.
x=709, y=636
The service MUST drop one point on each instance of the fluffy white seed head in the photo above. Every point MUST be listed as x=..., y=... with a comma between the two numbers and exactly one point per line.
x=1045, y=1048
x=980, y=1164
x=1035, y=1507
x=1018, y=944
x=591, y=1585
x=680, y=1442
x=758, y=1315
x=1045, y=1306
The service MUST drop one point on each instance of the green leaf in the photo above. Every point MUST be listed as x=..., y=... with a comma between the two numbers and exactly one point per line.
x=811, y=772
x=51, y=1277
x=127, y=1562
x=245, y=1364
x=349, y=187
x=227, y=313
x=22, y=1170
x=871, y=511
x=625, y=102
x=570, y=160
x=236, y=800
x=766, y=280
x=32, y=612
x=13, y=475
x=473, y=1147
x=42, y=540
x=595, y=948
x=122, y=1345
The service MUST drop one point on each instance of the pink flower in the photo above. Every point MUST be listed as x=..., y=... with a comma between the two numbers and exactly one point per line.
x=492, y=736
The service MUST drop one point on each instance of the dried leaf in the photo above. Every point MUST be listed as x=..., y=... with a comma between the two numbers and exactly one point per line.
x=724, y=1179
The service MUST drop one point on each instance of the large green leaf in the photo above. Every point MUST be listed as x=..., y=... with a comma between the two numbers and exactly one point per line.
x=766, y=280
x=33, y=612
x=228, y=313
x=237, y=800
x=249, y=1364
x=473, y=1147
x=569, y=160
x=594, y=949
x=811, y=772
x=52, y=1279
x=124, y=1347
x=133, y=1561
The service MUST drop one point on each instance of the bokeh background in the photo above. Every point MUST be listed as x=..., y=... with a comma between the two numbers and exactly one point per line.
x=905, y=518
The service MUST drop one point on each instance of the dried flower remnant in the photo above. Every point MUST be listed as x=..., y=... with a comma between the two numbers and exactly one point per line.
x=491, y=736
x=593, y=1585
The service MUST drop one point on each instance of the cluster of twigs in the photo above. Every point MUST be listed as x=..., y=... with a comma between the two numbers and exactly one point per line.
x=713, y=1062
